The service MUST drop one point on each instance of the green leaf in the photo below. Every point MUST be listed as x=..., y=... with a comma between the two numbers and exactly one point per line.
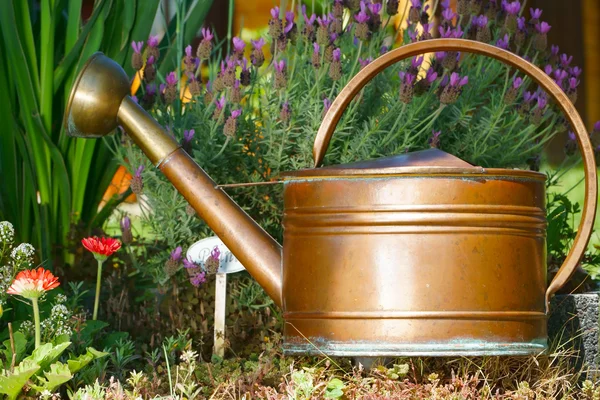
x=90, y=329
x=20, y=347
x=46, y=354
x=11, y=383
x=59, y=373
x=334, y=389
x=84, y=359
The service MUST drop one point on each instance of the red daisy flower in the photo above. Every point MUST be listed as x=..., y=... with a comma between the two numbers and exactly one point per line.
x=32, y=283
x=101, y=247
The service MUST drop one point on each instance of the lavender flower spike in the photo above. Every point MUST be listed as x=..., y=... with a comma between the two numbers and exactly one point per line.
x=138, y=171
x=236, y=113
x=503, y=42
x=137, y=47
x=457, y=81
x=517, y=82
x=207, y=34
x=289, y=18
x=535, y=14
x=258, y=44
x=176, y=254
x=188, y=135
x=279, y=66
x=238, y=45
x=275, y=12
x=337, y=53
x=326, y=104
x=153, y=41
x=597, y=127
x=543, y=28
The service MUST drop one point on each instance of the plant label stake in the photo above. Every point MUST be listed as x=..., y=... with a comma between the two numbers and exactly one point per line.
x=415, y=254
x=228, y=264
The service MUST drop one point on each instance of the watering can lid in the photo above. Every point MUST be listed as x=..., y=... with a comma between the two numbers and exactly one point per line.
x=425, y=162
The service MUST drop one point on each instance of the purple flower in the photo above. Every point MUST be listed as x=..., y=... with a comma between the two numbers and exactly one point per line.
x=337, y=54
x=572, y=136
x=480, y=21
x=162, y=87
x=535, y=14
x=153, y=41
x=543, y=28
x=375, y=7
x=521, y=23
x=125, y=223
x=430, y=75
x=448, y=14
x=134, y=98
x=323, y=21
x=207, y=34
x=503, y=42
x=275, y=12
x=409, y=79
x=412, y=34
x=151, y=89
x=384, y=49
x=445, y=4
x=289, y=17
x=362, y=17
x=188, y=51
x=565, y=60
x=150, y=60
x=316, y=48
x=440, y=55
x=307, y=20
x=188, y=135
x=221, y=103
x=189, y=264
x=279, y=66
x=575, y=71
x=198, y=278
x=456, y=81
x=236, y=113
x=416, y=62
x=176, y=254
x=138, y=171
x=258, y=44
x=238, y=45
x=559, y=75
x=597, y=126
x=517, y=82
x=415, y=3
x=435, y=138
x=137, y=47
x=364, y=62
x=554, y=50
x=542, y=101
x=215, y=254
x=512, y=8
x=528, y=96
x=171, y=78
x=326, y=104
x=548, y=69
x=573, y=83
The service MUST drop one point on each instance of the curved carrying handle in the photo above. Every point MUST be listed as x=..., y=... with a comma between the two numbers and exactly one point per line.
x=428, y=46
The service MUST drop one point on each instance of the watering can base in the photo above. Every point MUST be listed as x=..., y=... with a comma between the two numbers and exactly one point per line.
x=462, y=347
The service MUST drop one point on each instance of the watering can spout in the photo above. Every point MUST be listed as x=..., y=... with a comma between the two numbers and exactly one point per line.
x=99, y=102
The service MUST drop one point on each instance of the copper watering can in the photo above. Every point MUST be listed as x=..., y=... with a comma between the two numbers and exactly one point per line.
x=417, y=254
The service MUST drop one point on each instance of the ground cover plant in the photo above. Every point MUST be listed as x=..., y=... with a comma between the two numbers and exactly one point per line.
x=140, y=325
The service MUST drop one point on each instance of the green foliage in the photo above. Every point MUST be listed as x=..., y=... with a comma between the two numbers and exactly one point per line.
x=334, y=389
x=51, y=182
x=43, y=365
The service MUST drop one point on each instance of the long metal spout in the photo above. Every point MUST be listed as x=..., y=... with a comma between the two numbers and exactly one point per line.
x=99, y=103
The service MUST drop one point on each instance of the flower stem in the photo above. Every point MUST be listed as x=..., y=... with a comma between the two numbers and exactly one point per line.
x=36, y=322
x=98, y=281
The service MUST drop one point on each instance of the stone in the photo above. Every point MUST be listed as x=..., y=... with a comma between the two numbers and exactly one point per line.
x=573, y=322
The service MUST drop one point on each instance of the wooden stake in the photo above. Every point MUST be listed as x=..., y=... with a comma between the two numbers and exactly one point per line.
x=12, y=348
x=220, y=298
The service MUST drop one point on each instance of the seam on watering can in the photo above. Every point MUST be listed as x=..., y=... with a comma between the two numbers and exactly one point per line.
x=475, y=178
x=460, y=315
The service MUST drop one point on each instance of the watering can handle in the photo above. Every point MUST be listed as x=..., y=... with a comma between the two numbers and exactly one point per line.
x=428, y=46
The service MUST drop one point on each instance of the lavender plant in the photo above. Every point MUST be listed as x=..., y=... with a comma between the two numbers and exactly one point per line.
x=250, y=114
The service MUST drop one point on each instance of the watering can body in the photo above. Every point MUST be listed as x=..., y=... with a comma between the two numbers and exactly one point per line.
x=416, y=254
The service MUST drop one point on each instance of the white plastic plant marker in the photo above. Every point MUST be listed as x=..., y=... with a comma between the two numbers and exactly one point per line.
x=228, y=264
x=220, y=299
x=199, y=252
